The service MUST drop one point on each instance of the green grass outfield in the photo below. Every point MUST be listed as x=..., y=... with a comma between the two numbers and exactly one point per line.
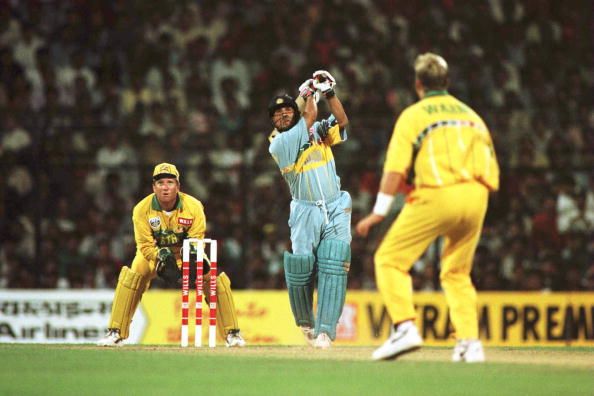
x=36, y=369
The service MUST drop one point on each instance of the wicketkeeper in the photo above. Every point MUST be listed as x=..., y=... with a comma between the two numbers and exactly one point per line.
x=162, y=221
x=320, y=218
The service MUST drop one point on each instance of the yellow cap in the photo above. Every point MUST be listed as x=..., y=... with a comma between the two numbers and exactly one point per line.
x=165, y=170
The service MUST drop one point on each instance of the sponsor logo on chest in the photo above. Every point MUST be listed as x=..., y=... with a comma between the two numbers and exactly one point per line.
x=185, y=222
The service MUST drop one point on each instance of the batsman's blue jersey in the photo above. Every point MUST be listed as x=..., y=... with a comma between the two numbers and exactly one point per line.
x=319, y=209
x=306, y=161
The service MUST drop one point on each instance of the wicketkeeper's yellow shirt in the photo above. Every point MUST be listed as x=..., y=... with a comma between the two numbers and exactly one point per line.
x=154, y=227
x=440, y=141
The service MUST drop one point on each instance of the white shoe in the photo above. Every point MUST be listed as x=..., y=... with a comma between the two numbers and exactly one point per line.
x=322, y=341
x=111, y=339
x=308, y=333
x=469, y=351
x=234, y=339
x=405, y=339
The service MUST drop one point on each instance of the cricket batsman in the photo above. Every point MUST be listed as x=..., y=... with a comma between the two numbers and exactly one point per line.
x=445, y=148
x=320, y=214
x=162, y=220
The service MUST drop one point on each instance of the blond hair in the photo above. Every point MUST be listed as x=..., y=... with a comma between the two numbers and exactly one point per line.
x=432, y=71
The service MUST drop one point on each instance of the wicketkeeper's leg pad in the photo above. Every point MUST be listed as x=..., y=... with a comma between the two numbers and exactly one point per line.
x=334, y=260
x=128, y=293
x=299, y=273
x=226, y=314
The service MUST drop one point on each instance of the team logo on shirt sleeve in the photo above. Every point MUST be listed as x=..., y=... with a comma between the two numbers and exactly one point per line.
x=184, y=221
x=155, y=223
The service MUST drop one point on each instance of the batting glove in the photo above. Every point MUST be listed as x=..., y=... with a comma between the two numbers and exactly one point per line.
x=324, y=82
x=306, y=89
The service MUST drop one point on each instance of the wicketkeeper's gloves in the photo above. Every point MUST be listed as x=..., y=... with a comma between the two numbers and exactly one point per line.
x=167, y=266
x=193, y=258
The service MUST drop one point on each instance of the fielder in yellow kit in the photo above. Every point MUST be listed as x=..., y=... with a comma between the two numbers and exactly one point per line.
x=445, y=148
x=162, y=221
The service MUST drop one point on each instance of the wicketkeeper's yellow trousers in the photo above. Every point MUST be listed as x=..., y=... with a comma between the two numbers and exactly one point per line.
x=133, y=282
x=455, y=212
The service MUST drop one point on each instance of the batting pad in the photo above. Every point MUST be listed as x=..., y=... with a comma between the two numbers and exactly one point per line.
x=126, y=298
x=334, y=260
x=299, y=270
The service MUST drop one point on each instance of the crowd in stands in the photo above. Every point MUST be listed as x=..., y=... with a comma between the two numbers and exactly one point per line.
x=93, y=94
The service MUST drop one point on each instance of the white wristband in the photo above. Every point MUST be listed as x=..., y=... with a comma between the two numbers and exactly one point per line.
x=383, y=204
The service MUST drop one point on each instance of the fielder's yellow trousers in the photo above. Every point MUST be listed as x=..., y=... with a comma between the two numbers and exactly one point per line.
x=455, y=212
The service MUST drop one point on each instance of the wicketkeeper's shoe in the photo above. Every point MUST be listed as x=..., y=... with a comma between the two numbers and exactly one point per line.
x=308, y=333
x=111, y=339
x=322, y=341
x=405, y=339
x=469, y=351
x=234, y=339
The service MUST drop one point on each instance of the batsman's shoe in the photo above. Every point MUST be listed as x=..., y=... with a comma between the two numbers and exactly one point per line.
x=111, y=339
x=234, y=339
x=322, y=341
x=308, y=333
x=469, y=351
x=405, y=339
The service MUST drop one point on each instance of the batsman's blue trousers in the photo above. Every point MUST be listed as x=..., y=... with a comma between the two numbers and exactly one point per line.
x=310, y=222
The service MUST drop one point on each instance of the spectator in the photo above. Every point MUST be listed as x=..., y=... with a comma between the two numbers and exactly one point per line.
x=80, y=90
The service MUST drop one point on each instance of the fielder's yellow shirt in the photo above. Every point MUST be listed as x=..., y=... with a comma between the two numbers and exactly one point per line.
x=155, y=228
x=440, y=141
